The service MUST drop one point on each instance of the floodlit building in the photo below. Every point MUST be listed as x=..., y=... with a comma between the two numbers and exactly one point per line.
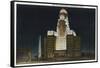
x=61, y=44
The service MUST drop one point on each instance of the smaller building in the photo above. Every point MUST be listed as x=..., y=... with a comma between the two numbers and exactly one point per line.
x=23, y=55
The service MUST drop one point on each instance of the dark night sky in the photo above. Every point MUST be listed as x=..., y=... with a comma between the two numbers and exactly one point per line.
x=33, y=21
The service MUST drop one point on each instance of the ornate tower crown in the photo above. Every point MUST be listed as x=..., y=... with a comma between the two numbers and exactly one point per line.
x=63, y=11
x=63, y=14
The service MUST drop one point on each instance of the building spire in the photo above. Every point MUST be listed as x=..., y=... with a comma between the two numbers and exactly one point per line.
x=63, y=28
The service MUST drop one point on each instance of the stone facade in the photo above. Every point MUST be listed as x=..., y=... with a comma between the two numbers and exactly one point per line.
x=72, y=51
x=63, y=43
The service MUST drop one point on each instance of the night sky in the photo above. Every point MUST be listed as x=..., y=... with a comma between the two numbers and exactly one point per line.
x=33, y=21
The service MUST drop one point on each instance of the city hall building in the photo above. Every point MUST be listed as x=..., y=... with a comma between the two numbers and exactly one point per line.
x=62, y=44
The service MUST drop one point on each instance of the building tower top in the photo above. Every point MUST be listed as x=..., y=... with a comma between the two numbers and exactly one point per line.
x=63, y=11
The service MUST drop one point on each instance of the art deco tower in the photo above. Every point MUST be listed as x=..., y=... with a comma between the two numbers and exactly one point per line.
x=63, y=42
x=61, y=25
x=63, y=30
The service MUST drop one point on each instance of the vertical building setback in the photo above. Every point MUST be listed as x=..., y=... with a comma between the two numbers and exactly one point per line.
x=63, y=43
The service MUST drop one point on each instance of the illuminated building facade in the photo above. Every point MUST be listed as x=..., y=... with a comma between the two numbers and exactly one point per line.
x=61, y=44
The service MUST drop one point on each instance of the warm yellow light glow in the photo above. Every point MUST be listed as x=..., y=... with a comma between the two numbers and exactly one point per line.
x=61, y=43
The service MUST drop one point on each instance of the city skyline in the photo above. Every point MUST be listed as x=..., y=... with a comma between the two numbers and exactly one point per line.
x=33, y=21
